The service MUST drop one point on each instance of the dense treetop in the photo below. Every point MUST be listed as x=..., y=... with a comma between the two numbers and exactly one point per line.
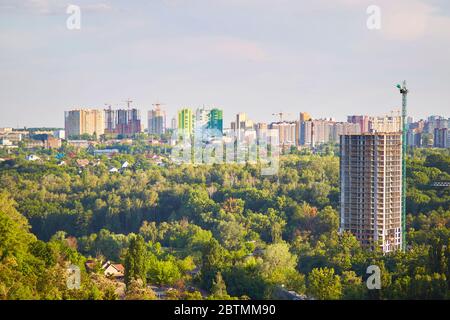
x=220, y=231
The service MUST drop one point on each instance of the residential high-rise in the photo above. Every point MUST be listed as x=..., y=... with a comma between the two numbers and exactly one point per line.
x=241, y=125
x=391, y=123
x=341, y=128
x=124, y=122
x=216, y=120
x=173, y=123
x=286, y=132
x=362, y=121
x=371, y=189
x=305, y=116
x=110, y=121
x=157, y=120
x=441, y=138
x=202, y=118
x=388, y=123
x=434, y=122
x=185, y=121
x=84, y=121
x=241, y=118
x=128, y=122
x=314, y=132
x=303, y=134
x=261, y=130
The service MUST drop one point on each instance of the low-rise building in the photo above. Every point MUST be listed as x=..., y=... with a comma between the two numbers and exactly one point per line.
x=113, y=270
x=106, y=152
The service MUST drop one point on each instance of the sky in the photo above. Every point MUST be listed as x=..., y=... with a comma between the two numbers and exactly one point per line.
x=255, y=56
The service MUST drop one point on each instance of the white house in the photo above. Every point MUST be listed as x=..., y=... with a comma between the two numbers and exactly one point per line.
x=113, y=270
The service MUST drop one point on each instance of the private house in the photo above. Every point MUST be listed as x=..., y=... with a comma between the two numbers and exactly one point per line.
x=113, y=270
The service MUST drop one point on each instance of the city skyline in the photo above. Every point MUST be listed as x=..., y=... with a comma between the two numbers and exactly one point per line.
x=272, y=119
x=237, y=55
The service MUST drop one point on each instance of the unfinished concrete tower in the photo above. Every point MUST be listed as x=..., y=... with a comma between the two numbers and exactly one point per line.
x=371, y=189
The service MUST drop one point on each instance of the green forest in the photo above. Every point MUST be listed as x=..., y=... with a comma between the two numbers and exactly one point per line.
x=210, y=231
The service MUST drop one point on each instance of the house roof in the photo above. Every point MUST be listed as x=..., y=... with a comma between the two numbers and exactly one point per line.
x=119, y=267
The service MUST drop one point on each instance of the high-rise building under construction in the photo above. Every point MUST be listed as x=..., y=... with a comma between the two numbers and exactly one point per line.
x=371, y=189
x=157, y=120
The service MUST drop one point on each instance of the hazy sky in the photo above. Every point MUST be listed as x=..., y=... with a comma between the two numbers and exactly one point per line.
x=257, y=56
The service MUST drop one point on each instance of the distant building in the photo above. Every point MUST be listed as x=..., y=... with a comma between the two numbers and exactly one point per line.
x=261, y=130
x=215, y=121
x=242, y=122
x=5, y=142
x=434, y=122
x=241, y=125
x=441, y=138
x=6, y=130
x=157, y=121
x=391, y=123
x=371, y=189
x=367, y=124
x=362, y=121
x=10, y=135
x=106, y=152
x=414, y=138
x=342, y=128
x=185, y=121
x=201, y=118
x=123, y=122
x=34, y=144
x=305, y=116
x=79, y=143
x=128, y=122
x=286, y=132
x=60, y=134
x=315, y=132
x=432, y=132
x=52, y=143
x=173, y=123
x=110, y=121
x=84, y=121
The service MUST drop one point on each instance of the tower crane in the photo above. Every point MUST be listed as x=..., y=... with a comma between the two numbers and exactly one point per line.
x=128, y=102
x=404, y=92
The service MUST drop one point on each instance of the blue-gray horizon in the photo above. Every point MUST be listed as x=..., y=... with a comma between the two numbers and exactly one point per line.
x=251, y=56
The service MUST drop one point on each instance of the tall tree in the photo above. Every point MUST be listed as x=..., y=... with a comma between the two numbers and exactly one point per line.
x=135, y=260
